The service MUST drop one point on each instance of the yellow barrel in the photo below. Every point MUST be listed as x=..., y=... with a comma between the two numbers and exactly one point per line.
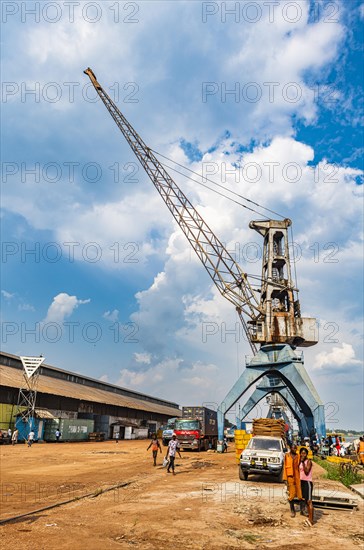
x=238, y=451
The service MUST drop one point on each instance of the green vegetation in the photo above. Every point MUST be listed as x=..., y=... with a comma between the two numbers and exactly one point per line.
x=346, y=477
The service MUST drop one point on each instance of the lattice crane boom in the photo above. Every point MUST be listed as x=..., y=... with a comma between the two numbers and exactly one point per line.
x=227, y=275
x=231, y=281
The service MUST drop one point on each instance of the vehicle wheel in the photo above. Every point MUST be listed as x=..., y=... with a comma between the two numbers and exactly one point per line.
x=165, y=444
x=242, y=474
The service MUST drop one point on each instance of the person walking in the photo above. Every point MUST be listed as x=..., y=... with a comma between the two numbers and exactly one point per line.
x=117, y=437
x=31, y=438
x=291, y=475
x=58, y=435
x=305, y=468
x=337, y=445
x=14, y=437
x=173, y=447
x=155, y=447
x=360, y=450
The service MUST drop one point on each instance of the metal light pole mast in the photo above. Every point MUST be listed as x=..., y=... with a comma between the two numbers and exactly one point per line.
x=28, y=390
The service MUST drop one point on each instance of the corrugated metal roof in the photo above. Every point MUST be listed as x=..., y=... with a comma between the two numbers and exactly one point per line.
x=78, y=377
x=40, y=413
x=13, y=378
x=43, y=413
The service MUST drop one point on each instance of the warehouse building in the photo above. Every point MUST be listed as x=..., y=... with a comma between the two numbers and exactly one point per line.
x=67, y=395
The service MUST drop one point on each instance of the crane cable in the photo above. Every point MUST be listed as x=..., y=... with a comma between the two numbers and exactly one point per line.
x=213, y=190
x=219, y=185
x=229, y=198
x=260, y=279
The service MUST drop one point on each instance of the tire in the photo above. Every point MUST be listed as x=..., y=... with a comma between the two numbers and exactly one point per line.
x=243, y=475
x=164, y=441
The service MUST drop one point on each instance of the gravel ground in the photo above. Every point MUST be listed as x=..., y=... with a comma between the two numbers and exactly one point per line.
x=204, y=505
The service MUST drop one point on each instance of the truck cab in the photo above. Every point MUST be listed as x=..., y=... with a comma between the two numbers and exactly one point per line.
x=188, y=432
x=167, y=435
x=263, y=455
x=168, y=431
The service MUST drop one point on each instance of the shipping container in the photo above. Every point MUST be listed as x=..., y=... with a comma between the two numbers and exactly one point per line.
x=207, y=417
x=71, y=429
x=37, y=424
x=197, y=429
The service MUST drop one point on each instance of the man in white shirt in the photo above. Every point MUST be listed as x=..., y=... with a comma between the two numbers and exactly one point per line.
x=173, y=447
x=31, y=438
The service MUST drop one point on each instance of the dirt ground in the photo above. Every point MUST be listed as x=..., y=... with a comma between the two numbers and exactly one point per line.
x=204, y=505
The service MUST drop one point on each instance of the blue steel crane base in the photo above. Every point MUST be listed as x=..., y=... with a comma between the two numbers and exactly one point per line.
x=280, y=362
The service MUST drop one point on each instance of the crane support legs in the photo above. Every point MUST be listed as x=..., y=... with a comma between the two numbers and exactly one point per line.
x=262, y=391
x=285, y=374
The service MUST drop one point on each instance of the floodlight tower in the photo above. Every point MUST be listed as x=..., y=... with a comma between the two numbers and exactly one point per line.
x=28, y=390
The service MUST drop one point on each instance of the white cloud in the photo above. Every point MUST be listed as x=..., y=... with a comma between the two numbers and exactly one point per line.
x=173, y=380
x=131, y=379
x=111, y=315
x=286, y=51
x=63, y=306
x=339, y=357
x=7, y=294
x=143, y=358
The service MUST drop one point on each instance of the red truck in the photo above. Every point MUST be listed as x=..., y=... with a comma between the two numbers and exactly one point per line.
x=197, y=429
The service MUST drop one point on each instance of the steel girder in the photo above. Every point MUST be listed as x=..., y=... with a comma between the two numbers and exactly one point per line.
x=278, y=362
x=262, y=391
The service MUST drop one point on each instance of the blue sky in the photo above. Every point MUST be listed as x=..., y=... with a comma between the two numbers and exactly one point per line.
x=112, y=288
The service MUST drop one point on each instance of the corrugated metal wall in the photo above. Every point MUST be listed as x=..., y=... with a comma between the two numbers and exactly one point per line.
x=7, y=418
